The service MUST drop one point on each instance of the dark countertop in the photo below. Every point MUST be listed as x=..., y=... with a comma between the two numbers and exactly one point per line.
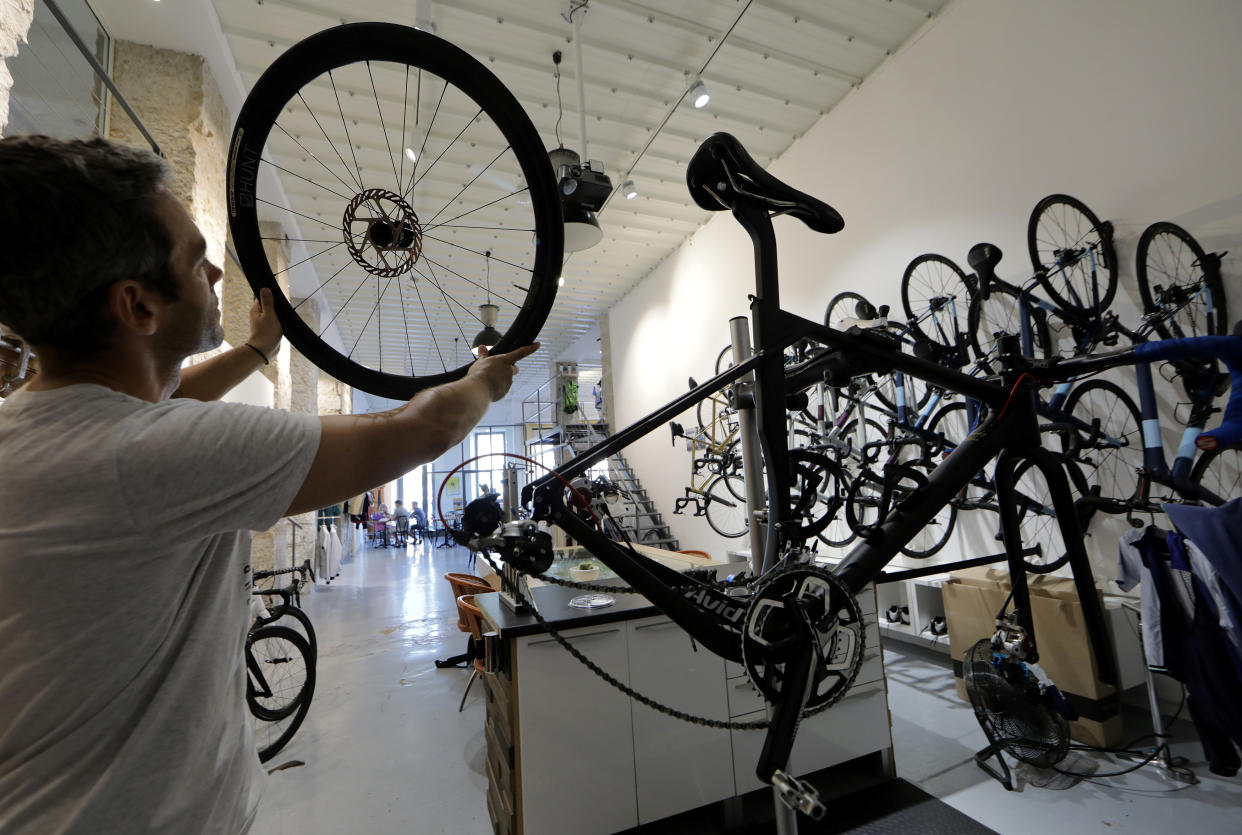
x=553, y=604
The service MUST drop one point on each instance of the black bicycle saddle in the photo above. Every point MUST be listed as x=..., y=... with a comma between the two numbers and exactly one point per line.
x=983, y=259
x=721, y=170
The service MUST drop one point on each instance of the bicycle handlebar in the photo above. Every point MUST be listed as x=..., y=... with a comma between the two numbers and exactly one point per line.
x=1227, y=349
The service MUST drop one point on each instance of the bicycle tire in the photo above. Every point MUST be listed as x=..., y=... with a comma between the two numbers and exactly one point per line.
x=284, y=660
x=999, y=314
x=724, y=360
x=1038, y=524
x=918, y=392
x=714, y=419
x=725, y=511
x=509, y=243
x=1059, y=226
x=873, y=431
x=307, y=630
x=931, y=276
x=1220, y=470
x=930, y=539
x=844, y=306
x=1167, y=252
x=1111, y=461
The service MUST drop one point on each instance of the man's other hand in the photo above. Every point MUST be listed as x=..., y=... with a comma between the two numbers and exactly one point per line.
x=498, y=371
x=265, y=329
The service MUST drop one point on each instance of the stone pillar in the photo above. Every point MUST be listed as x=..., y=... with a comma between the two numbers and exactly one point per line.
x=605, y=369
x=15, y=19
x=304, y=399
x=180, y=104
x=237, y=297
x=178, y=101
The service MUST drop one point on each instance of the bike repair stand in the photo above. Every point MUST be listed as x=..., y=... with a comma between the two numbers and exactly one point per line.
x=752, y=454
x=1174, y=768
x=756, y=506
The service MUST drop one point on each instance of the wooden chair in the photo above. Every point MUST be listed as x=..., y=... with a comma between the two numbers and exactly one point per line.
x=472, y=615
x=463, y=584
x=702, y=554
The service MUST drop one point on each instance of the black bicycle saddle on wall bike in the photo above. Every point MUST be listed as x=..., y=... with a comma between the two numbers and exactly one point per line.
x=721, y=170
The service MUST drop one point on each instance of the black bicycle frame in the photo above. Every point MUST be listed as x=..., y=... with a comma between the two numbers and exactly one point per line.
x=1009, y=434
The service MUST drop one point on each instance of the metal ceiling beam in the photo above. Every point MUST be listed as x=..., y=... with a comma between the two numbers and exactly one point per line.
x=766, y=50
x=651, y=59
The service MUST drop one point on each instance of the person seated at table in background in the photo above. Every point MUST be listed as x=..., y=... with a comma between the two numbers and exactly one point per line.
x=379, y=524
x=420, y=521
x=401, y=517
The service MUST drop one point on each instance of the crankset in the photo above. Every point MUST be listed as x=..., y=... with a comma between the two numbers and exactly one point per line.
x=772, y=635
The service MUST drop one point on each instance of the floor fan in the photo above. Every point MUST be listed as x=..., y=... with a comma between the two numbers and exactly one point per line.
x=1020, y=710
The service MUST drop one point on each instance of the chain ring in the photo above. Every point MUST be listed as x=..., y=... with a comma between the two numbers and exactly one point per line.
x=391, y=243
x=835, y=619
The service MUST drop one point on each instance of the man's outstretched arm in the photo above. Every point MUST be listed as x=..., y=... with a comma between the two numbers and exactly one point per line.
x=358, y=452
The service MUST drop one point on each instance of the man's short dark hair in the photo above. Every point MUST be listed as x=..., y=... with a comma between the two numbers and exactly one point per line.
x=77, y=216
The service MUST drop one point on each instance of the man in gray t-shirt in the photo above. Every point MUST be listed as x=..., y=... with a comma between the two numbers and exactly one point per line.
x=122, y=630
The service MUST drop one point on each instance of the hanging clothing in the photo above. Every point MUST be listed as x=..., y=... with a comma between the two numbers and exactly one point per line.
x=1195, y=650
x=1217, y=531
x=334, y=551
x=1132, y=570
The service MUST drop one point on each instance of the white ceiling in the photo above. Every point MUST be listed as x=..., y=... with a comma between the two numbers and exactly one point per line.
x=782, y=66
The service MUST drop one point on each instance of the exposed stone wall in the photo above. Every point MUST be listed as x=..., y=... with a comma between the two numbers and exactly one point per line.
x=15, y=19
x=605, y=361
x=335, y=398
x=181, y=106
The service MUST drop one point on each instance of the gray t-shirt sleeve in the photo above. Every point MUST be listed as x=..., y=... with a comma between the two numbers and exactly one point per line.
x=191, y=469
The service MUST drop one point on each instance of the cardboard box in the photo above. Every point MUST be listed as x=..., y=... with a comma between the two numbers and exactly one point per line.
x=972, y=599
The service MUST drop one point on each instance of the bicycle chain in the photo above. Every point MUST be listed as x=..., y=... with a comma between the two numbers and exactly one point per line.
x=757, y=725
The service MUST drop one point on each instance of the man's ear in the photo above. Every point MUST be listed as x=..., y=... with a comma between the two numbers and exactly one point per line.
x=134, y=308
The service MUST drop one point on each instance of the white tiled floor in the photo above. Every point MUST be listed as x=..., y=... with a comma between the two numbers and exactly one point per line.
x=386, y=751
x=384, y=747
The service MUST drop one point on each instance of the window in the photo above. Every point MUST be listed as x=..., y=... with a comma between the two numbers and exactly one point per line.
x=489, y=471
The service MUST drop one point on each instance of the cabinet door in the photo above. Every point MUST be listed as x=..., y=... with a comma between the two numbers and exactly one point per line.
x=856, y=725
x=576, y=745
x=678, y=765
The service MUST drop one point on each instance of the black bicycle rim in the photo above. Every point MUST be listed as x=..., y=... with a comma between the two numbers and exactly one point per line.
x=1170, y=259
x=1060, y=224
x=395, y=269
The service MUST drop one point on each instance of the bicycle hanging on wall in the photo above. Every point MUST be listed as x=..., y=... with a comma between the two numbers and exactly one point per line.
x=796, y=626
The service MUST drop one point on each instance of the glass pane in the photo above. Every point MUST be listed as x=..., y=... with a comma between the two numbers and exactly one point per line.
x=55, y=91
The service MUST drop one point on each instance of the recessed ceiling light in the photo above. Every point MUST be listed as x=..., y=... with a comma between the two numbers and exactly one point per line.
x=698, y=94
x=409, y=152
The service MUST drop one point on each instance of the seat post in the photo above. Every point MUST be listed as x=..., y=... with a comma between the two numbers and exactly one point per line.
x=769, y=385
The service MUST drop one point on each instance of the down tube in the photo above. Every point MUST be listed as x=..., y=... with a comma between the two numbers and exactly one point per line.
x=867, y=559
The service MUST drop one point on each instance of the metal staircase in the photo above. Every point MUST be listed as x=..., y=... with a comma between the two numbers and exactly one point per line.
x=577, y=432
x=640, y=519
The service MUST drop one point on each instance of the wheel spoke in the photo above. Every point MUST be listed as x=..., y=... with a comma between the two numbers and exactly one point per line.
x=383, y=127
x=431, y=220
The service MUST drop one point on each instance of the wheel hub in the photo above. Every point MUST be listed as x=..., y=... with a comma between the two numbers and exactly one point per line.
x=382, y=232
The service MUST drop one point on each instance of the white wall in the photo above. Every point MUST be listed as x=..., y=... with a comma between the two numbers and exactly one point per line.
x=1130, y=105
